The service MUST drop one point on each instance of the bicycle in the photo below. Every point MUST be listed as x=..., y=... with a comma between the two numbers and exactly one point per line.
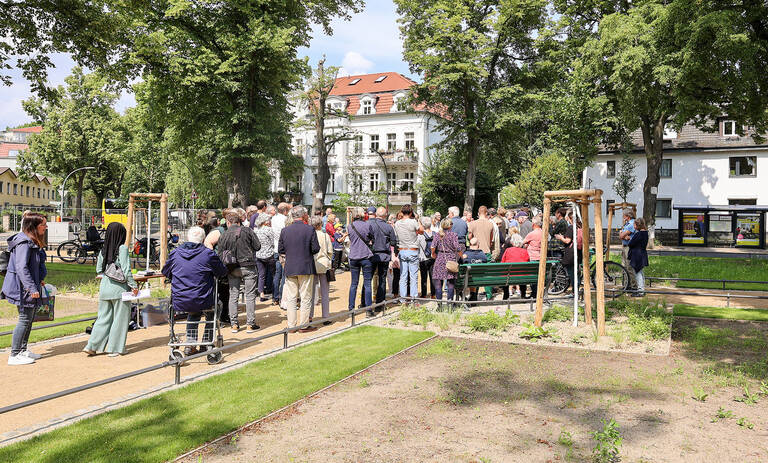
x=140, y=249
x=616, y=276
x=80, y=251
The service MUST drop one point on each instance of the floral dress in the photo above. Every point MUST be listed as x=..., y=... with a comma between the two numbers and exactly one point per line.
x=447, y=247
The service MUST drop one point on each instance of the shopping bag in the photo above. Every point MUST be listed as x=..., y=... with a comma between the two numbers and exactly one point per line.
x=44, y=312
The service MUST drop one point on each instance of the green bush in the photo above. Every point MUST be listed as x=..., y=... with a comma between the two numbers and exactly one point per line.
x=647, y=319
x=491, y=321
x=410, y=314
x=559, y=313
x=533, y=332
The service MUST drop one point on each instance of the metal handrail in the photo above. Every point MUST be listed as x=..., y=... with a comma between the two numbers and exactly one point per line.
x=177, y=363
x=52, y=325
x=707, y=280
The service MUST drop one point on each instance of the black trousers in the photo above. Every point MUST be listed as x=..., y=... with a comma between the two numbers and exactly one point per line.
x=425, y=268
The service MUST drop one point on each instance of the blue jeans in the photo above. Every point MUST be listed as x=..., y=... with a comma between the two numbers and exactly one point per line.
x=278, y=280
x=265, y=267
x=380, y=268
x=355, y=265
x=640, y=278
x=22, y=329
x=409, y=270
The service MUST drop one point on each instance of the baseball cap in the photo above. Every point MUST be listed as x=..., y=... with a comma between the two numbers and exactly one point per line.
x=372, y=210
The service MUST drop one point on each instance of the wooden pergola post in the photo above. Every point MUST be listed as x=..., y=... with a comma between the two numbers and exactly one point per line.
x=610, y=232
x=599, y=265
x=163, y=199
x=540, y=288
x=585, y=262
x=129, y=223
x=163, y=229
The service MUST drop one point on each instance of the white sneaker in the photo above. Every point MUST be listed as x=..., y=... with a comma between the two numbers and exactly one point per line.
x=20, y=360
x=30, y=354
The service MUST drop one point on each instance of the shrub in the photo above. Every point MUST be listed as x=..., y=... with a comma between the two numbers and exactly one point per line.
x=646, y=319
x=608, y=443
x=533, y=332
x=558, y=312
x=410, y=314
x=491, y=321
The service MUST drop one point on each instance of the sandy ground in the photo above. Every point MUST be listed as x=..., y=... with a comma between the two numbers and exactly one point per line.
x=64, y=366
x=477, y=401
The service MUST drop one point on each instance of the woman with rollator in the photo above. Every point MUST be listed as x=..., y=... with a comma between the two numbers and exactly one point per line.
x=193, y=269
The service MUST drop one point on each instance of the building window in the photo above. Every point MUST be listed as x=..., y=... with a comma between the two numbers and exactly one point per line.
x=729, y=129
x=666, y=168
x=410, y=142
x=743, y=166
x=611, y=169
x=1, y=187
x=358, y=146
x=15, y=189
x=13, y=153
x=299, y=144
x=391, y=142
x=8, y=188
x=664, y=208
x=374, y=181
x=608, y=202
x=374, y=143
x=27, y=192
x=331, y=184
x=408, y=181
x=367, y=106
x=391, y=181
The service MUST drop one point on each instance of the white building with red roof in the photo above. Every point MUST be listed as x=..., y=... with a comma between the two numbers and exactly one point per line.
x=35, y=192
x=391, y=146
x=13, y=142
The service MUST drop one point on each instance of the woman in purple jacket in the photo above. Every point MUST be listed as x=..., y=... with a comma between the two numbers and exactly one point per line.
x=24, y=281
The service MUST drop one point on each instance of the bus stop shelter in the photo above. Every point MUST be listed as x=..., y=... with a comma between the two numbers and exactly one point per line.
x=714, y=225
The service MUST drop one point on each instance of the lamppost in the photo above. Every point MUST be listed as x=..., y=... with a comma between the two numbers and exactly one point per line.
x=61, y=196
x=386, y=179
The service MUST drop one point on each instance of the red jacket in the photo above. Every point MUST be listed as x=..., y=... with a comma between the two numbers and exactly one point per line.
x=513, y=254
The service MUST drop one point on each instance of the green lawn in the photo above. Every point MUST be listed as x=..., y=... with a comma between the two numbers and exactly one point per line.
x=161, y=427
x=50, y=333
x=710, y=268
x=68, y=277
x=728, y=313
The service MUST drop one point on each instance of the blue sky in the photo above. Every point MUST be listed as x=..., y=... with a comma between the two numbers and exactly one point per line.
x=369, y=42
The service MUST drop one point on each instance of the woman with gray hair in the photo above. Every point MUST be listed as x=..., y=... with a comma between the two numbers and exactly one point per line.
x=265, y=257
x=323, y=260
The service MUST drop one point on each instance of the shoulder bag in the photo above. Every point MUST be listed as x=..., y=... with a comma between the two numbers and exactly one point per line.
x=367, y=243
x=450, y=265
x=322, y=262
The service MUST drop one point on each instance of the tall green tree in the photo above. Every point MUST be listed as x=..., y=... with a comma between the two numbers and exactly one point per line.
x=476, y=58
x=314, y=97
x=225, y=70
x=80, y=129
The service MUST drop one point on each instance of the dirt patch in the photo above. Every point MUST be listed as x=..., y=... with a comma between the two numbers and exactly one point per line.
x=471, y=401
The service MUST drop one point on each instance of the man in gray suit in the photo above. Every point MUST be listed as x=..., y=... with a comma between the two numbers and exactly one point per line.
x=298, y=243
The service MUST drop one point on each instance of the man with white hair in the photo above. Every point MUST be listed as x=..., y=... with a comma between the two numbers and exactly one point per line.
x=193, y=269
x=459, y=225
x=298, y=243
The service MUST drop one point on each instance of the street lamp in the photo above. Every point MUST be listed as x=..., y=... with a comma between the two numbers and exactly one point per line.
x=61, y=196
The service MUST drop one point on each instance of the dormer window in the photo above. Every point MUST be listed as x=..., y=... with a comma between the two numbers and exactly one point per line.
x=367, y=105
x=398, y=103
x=729, y=129
x=354, y=81
x=380, y=79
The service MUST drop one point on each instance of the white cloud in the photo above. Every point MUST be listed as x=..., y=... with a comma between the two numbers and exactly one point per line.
x=355, y=64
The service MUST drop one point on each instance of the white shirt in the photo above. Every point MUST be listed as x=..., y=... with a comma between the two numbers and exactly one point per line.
x=278, y=223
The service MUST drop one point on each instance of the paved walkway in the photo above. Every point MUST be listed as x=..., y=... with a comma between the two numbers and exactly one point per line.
x=64, y=366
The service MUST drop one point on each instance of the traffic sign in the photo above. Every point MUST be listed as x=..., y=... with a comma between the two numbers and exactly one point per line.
x=194, y=194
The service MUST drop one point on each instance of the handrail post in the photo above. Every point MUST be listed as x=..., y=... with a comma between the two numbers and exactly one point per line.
x=177, y=379
x=353, y=317
x=285, y=339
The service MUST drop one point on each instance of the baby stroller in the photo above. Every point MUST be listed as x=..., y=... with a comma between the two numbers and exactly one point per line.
x=189, y=336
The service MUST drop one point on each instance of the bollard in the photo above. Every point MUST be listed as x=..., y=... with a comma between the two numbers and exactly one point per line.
x=177, y=379
x=285, y=340
x=728, y=300
x=353, y=318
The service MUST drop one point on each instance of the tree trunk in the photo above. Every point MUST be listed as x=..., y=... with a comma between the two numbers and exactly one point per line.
x=242, y=174
x=472, y=154
x=323, y=171
x=653, y=139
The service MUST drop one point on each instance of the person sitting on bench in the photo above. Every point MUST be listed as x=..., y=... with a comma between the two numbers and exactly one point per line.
x=474, y=255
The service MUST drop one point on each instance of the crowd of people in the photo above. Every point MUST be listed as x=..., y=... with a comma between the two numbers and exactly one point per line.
x=281, y=253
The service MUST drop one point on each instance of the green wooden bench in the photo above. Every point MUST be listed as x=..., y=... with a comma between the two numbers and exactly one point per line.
x=501, y=274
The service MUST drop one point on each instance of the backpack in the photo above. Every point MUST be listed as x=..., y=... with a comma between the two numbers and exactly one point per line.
x=229, y=256
x=5, y=257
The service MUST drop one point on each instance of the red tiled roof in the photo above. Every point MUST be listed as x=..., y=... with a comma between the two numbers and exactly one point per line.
x=35, y=129
x=6, y=147
x=368, y=84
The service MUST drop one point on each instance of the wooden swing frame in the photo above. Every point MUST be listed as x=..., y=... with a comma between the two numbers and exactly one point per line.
x=582, y=198
x=163, y=199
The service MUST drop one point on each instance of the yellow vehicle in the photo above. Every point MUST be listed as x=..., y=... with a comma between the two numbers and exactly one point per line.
x=110, y=213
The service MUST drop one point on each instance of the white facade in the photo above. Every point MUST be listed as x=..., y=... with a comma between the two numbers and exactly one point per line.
x=701, y=177
x=404, y=141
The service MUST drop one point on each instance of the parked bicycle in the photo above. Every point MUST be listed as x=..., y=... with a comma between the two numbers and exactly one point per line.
x=616, y=276
x=140, y=249
x=80, y=251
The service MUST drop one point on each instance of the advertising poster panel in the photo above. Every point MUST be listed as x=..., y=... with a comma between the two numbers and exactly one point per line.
x=693, y=229
x=748, y=230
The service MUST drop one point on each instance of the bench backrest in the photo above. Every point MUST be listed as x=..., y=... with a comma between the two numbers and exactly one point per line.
x=499, y=274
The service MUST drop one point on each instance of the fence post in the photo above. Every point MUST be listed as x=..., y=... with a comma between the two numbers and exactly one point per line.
x=353, y=318
x=285, y=339
x=177, y=379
